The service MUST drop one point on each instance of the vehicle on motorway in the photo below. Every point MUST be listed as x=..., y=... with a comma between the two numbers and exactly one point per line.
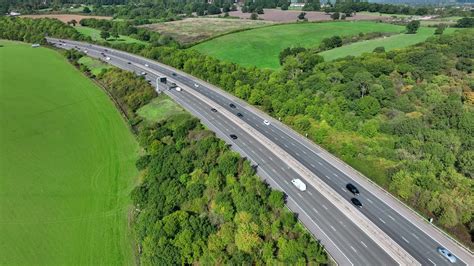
x=299, y=184
x=172, y=85
x=105, y=50
x=352, y=189
x=85, y=51
x=196, y=85
x=107, y=58
x=447, y=254
x=174, y=74
x=239, y=115
x=146, y=65
x=232, y=136
x=356, y=202
x=214, y=110
x=232, y=105
x=143, y=74
x=102, y=54
x=178, y=89
x=129, y=63
x=266, y=122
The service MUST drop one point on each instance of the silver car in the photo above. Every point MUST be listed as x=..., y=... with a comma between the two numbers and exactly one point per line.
x=447, y=254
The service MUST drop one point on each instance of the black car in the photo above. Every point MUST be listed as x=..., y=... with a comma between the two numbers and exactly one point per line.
x=232, y=105
x=174, y=74
x=352, y=189
x=214, y=110
x=356, y=202
x=129, y=63
x=232, y=136
x=239, y=115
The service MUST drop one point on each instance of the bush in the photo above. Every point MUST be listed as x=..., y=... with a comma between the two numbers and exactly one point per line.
x=379, y=49
x=467, y=22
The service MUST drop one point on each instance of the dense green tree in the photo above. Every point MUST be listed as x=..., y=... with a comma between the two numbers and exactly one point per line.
x=413, y=26
x=104, y=35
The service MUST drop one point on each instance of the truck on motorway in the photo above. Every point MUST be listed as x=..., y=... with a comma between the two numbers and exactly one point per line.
x=299, y=184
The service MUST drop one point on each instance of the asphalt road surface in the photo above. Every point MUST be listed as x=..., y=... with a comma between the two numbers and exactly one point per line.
x=341, y=237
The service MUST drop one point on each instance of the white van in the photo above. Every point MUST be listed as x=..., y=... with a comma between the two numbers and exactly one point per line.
x=299, y=184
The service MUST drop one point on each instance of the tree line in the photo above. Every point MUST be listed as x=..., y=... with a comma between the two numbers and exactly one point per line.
x=35, y=30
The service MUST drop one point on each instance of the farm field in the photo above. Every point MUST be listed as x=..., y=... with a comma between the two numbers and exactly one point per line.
x=192, y=30
x=67, y=165
x=95, y=35
x=390, y=43
x=261, y=47
x=278, y=15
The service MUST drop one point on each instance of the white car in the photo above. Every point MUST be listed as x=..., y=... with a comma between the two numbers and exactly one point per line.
x=178, y=88
x=107, y=58
x=447, y=254
x=143, y=73
x=299, y=184
x=266, y=122
x=146, y=65
x=196, y=85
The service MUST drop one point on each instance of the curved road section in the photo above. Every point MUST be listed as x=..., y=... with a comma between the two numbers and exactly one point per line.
x=380, y=233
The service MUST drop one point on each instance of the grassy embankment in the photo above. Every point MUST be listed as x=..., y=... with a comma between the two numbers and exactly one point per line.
x=67, y=164
x=95, y=35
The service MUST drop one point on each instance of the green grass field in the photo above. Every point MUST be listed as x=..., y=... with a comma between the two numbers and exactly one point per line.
x=261, y=47
x=390, y=43
x=95, y=35
x=159, y=109
x=66, y=163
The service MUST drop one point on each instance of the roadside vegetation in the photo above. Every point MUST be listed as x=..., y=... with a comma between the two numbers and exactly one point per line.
x=201, y=203
x=67, y=164
x=95, y=35
x=198, y=201
x=261, y=47
x=401, y=117
x=159, y=109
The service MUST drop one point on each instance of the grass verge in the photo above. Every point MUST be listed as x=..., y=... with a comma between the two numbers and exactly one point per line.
x=160, y=108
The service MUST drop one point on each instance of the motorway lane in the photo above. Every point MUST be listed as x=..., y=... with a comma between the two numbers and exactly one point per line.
x=402, y=231
x=415, y=241
x=412, y=239
x=344, y=233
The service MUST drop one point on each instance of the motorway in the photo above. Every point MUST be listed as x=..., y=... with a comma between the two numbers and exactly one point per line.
x=342, y=238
